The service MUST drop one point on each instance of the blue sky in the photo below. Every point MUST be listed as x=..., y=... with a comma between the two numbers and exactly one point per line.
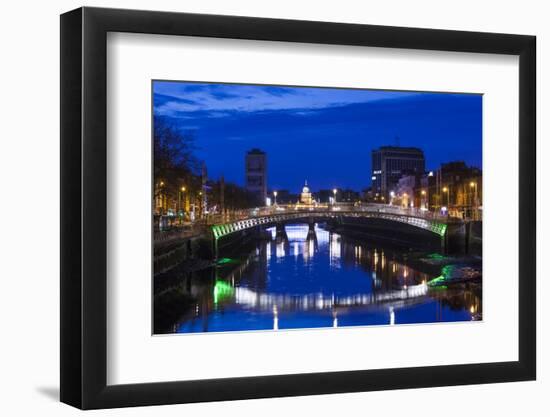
x=324, y=135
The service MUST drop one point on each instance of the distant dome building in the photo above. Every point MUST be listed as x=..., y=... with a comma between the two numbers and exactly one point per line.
x=305, y=196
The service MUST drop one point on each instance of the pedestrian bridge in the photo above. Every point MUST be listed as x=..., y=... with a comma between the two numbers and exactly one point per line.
x=418, y=219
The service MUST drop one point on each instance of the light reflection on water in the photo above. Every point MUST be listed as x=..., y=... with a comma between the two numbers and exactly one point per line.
x=321, y=279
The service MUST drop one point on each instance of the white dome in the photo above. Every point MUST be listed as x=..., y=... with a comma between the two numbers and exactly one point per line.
x=305, y=189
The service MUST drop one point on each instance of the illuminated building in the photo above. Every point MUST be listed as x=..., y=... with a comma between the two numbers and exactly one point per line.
x=305, y=196
x=390, y=163
x=456, y=186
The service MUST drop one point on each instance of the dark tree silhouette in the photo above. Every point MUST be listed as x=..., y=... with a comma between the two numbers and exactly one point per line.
x=175, y=166
x=174, y=162
x=235, y=197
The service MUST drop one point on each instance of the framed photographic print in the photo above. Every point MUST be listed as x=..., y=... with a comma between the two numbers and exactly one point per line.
x=258, y=207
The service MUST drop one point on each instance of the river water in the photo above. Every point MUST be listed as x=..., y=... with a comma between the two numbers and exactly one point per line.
x=307, y=280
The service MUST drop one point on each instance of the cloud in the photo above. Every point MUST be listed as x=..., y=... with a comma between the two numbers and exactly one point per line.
x=163, y=99
x=177, y=99
x=279, y=91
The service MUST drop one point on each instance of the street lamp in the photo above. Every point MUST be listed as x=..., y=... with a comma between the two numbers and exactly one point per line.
x=181, y=190
x=392, y=196
x=275, y=198
x=334, y=191
x=161, y=195
x=446, y=190
x=474, y=205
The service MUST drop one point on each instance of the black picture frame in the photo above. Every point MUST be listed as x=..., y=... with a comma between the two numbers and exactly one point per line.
x=84, y=207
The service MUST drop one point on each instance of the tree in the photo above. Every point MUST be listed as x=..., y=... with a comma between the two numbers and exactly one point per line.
x=174, y=162
x=235, y=197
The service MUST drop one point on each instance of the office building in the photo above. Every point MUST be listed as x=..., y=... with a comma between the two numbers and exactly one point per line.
x=256, y=175
x=390, y=163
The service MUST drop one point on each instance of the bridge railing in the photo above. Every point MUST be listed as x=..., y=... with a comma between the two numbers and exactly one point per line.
x=406, y=211
x=339, y=207
x=236, y=215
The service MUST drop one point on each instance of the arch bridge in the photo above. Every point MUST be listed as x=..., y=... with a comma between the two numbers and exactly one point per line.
x=438, y=226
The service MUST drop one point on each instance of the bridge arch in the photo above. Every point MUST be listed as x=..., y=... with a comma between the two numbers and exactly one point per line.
x=435, y=226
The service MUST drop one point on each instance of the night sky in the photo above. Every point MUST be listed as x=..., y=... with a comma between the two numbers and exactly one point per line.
x=324, y=135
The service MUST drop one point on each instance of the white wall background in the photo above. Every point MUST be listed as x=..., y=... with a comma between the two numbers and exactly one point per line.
x=29, y=208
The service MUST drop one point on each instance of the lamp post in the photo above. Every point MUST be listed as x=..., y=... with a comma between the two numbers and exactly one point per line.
x=334, y=191
x=201, y=205
x=161, y=195
x=180, y=191
x=446, y=190
x=392, y=196
x=274, y=198
x=473, y=185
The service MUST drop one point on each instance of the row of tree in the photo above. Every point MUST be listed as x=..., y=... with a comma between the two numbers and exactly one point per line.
x=176, y=166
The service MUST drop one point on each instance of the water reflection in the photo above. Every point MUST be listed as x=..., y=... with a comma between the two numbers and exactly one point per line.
x=313, y=278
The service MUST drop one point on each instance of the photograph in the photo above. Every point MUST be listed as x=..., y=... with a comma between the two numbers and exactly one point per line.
x=290, y=207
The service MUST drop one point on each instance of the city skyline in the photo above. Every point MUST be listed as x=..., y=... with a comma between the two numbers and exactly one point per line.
x=243, y=243
x=312, y=129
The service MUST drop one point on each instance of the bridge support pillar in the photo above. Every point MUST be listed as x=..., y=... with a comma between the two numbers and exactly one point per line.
x=280, y=231
x=311, y=229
